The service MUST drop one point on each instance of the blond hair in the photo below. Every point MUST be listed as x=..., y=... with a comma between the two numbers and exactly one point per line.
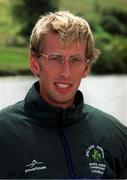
x=68, y=27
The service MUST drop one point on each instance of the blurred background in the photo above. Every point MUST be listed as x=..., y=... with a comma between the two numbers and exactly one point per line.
x=105, y=87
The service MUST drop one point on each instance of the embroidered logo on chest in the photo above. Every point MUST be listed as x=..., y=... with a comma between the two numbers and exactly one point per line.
x=34, y=166
x=96, y=159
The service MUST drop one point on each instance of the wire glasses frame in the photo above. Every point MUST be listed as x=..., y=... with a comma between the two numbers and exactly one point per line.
x=57, y=59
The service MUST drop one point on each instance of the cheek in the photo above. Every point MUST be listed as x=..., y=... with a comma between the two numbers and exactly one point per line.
x=78, y=74
x=48, y=73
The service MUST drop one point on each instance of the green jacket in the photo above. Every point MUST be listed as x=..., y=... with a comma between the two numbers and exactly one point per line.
x=38, y=140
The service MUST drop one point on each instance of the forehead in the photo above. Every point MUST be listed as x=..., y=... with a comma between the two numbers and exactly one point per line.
x=53, y=43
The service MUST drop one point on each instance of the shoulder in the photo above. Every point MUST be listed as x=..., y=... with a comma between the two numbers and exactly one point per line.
x=104, y=123
x=11, y=113
x=12, y=122
x=99, y=116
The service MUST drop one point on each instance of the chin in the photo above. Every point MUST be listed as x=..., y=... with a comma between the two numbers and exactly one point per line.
x=64, y=100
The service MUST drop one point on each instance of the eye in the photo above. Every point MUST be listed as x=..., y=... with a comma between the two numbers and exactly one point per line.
x=75, y=59
x=56, y=58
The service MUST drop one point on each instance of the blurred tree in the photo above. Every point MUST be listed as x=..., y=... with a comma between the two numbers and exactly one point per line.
x=114, y=21
x=112, y=25
x=26, y=12
x=113, y=54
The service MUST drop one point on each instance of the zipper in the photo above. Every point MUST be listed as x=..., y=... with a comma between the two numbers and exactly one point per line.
x=66, y=149
x=67, y=154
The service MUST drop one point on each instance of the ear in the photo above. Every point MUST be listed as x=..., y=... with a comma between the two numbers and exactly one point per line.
x=86, y=70
x=34, y=65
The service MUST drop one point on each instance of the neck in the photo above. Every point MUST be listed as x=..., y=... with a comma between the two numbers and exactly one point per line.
x=63, y=105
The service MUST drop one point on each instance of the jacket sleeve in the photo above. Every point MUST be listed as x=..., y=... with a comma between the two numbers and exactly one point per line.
x=124, y=147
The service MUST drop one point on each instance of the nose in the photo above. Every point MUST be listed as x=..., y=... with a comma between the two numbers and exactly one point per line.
x=65, y=70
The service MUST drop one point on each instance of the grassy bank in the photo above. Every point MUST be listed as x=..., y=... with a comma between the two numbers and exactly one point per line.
x=14, y=61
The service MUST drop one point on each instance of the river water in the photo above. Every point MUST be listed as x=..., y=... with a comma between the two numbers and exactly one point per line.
x=108, y=93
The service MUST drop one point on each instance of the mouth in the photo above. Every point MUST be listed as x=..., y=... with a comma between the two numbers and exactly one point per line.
x=61, y=85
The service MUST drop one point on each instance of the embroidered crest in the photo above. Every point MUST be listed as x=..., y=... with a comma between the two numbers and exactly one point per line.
x=96, y=159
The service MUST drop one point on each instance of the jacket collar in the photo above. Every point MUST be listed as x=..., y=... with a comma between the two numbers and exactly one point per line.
x=42, y=113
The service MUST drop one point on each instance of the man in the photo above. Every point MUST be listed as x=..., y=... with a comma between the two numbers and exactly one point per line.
x=52, y=134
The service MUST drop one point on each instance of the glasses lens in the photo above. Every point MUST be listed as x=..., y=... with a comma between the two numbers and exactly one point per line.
x=76, y=60
x=55, y=59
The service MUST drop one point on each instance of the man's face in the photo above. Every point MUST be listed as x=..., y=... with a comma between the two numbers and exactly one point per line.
x=58, y=85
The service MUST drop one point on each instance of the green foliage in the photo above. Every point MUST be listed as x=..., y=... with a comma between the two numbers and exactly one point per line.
x=114, y=55
x=28, y=11
x=110, y=37
x=114, y=21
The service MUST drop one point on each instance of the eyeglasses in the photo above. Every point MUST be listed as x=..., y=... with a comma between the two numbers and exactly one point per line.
x=56, y=59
